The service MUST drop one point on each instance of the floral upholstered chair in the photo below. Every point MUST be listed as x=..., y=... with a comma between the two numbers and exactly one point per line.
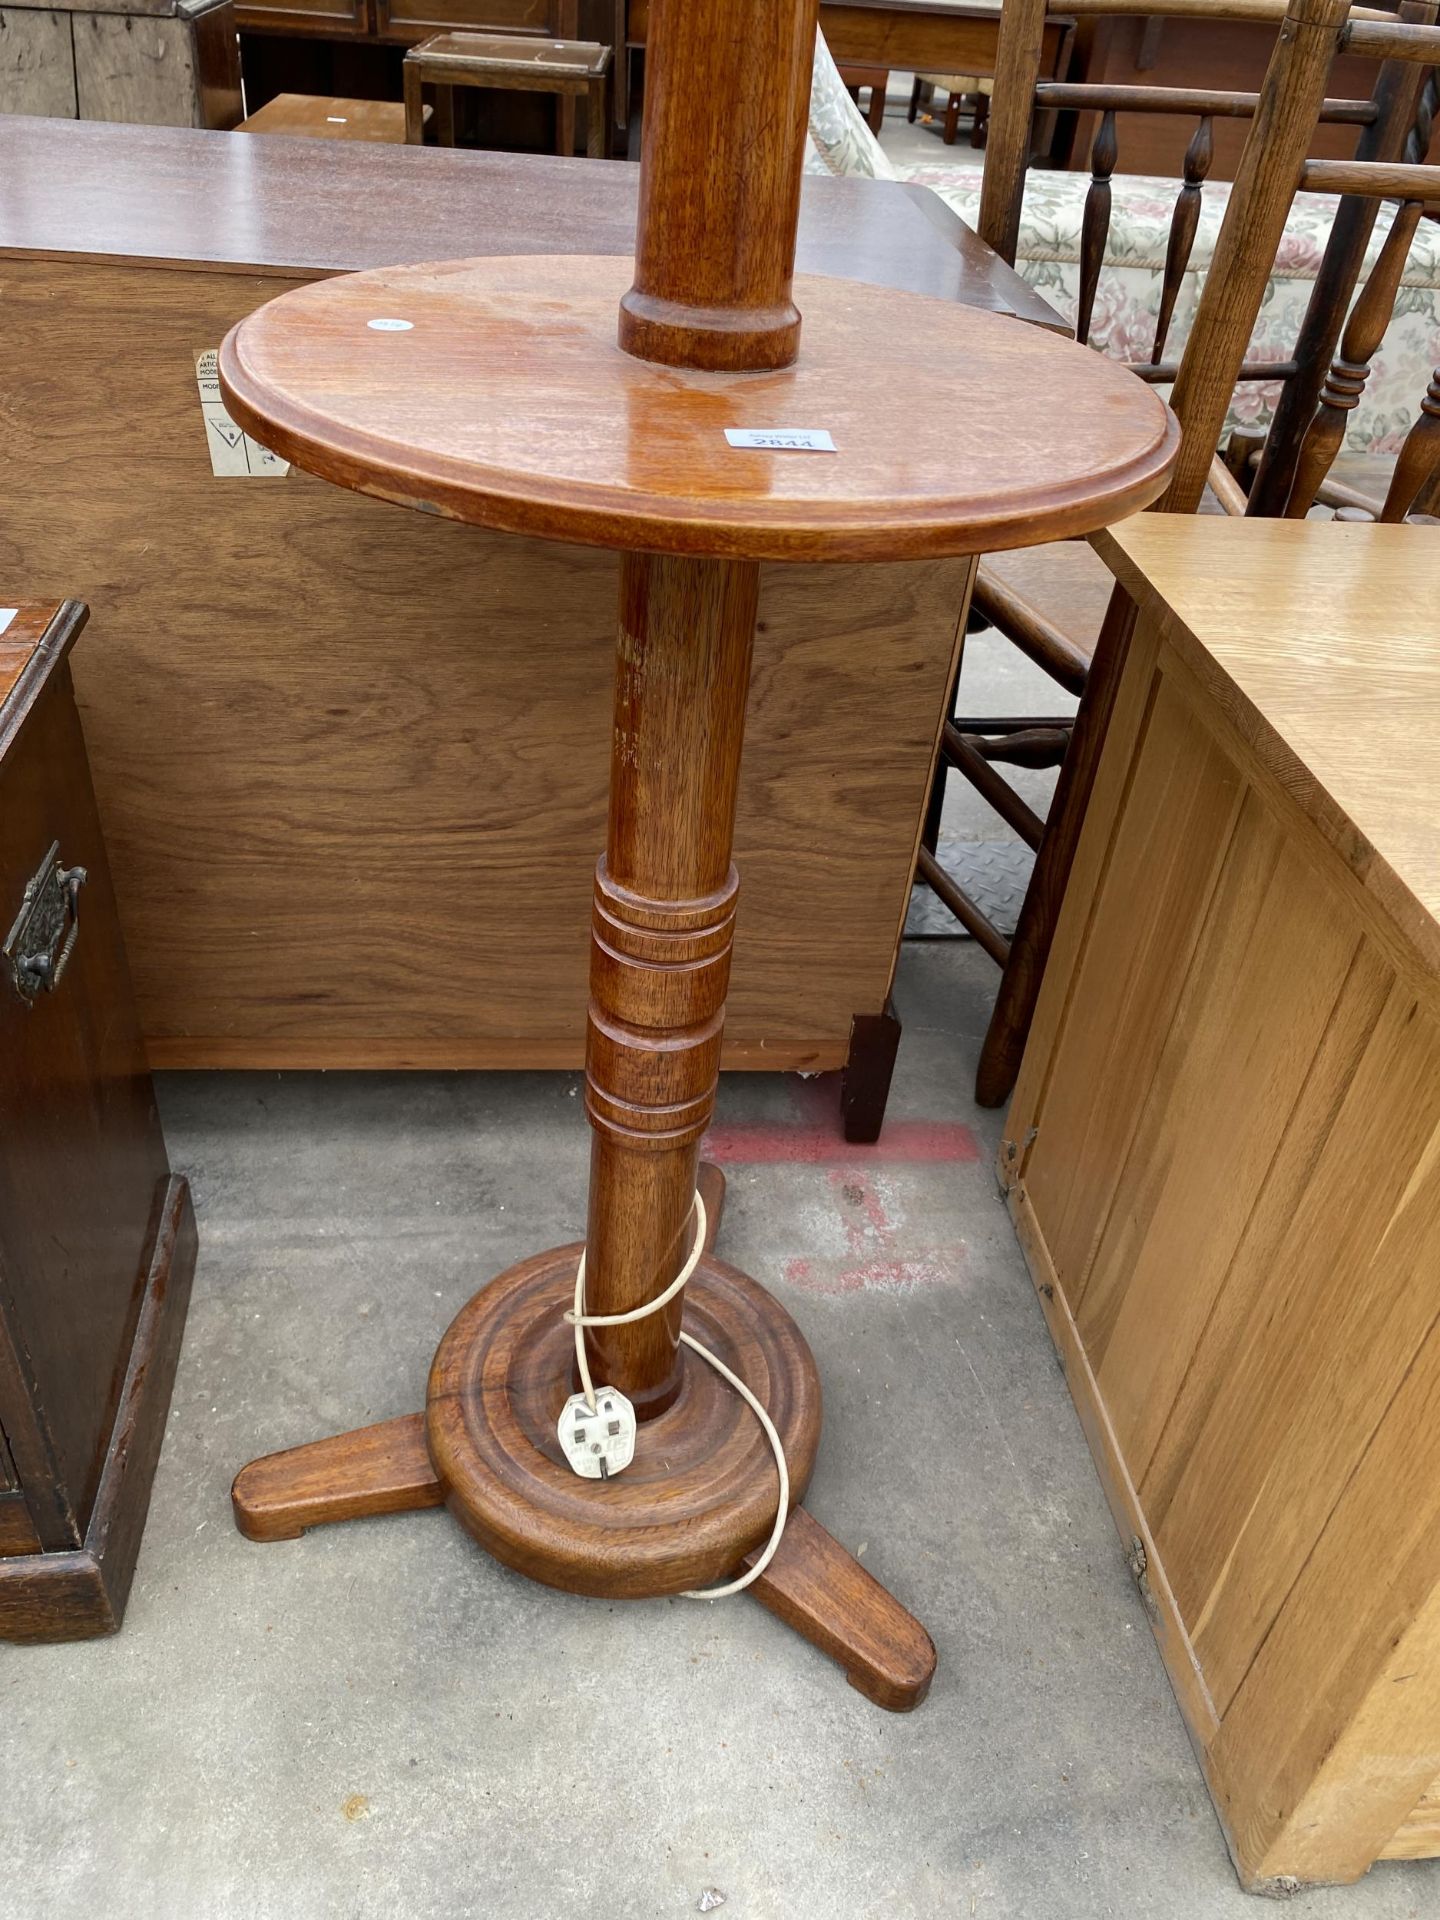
x=1128, y=298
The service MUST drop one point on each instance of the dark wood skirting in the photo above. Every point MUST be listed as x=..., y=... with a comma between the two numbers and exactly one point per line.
x=81, y=1593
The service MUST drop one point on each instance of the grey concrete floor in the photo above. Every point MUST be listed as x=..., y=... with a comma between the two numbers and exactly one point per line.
x=378, y=1721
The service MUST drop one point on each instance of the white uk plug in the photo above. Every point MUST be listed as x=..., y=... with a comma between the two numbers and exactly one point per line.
x=598, y=1441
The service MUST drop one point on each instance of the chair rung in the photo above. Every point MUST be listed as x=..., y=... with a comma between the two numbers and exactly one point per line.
x=1127, y=97
x=1160, y=373
x=992, y=787
x=1024, y=625
x=1039, y=746
x=975, y=923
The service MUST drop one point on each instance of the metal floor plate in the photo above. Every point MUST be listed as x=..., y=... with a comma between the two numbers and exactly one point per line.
x=995, y=874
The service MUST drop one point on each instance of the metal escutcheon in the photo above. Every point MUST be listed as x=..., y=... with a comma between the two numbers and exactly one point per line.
x=46, y=928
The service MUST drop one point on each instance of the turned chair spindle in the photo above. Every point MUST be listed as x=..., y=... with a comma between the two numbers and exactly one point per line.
x=1184, y=223
x=1415, y=483
x=1350, y=369
x=1095, y=223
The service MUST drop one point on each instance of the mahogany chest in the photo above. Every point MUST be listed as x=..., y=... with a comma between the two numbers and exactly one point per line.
x=97, y=1236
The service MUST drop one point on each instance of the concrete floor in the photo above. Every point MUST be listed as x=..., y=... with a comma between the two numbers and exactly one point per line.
x=378, y=1721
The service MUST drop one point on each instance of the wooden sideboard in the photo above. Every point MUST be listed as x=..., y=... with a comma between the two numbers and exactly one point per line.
x=1223, y=1159
x=301, y=704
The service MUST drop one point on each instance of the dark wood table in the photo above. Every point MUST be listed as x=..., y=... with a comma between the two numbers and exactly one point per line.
x=936, y=36
x=215, y=599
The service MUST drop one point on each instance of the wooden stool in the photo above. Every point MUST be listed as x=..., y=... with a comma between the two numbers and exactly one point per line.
x=314, y=117
x=877, y=79
x=515, y=62
x=957, y=88
x=491, y=391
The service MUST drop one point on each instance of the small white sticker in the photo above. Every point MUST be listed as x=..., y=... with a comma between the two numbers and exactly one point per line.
x=233, y=454
x=7, y=614
x=337, y=120
x=390, y=326
x=782, y=439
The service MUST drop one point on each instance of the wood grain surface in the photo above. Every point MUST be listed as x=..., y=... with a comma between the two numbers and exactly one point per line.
x=19, y=639
x=661, y=935
x=815, y=1586
x=320, y=117
x=1224, y=1159
x=727, y=95
x=505, y=404
x=80, y=1593
x=84, y=1153
x=383, y=1468
x=1314, y=642
x=156, y=194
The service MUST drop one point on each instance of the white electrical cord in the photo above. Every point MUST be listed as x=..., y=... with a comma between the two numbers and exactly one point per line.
x=579, y=1319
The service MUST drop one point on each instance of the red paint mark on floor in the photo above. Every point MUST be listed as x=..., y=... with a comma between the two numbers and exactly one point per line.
x=931, y=1269
x=870, y=1217
x=858, y=1194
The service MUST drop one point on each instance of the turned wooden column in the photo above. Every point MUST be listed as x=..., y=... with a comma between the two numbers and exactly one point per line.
x=665, y=894
x=727, y=97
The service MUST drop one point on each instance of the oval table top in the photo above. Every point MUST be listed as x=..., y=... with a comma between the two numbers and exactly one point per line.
x=493, y=391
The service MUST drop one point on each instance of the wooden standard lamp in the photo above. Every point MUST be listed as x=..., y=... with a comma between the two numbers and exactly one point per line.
x=710, y=436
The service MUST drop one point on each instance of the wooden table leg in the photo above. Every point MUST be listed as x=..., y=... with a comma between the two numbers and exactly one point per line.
x=597, y=118
x=444, y=114
x=414, y=110
x=565, y=123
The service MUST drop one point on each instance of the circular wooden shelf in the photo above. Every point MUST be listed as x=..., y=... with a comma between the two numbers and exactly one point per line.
x=493, y=391
x=701, y=1491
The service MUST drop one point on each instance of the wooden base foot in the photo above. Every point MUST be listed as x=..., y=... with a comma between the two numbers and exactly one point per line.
x=379, y=1469
x=815, y=1586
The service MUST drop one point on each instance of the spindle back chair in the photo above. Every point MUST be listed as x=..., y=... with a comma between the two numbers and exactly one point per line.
x=1283, y=116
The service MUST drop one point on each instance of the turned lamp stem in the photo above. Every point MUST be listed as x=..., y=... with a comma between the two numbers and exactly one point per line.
x=726, y=104
x=660, y=950
x=727, y=94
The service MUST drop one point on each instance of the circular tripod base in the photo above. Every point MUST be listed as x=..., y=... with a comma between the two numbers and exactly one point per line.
x=701, y=1491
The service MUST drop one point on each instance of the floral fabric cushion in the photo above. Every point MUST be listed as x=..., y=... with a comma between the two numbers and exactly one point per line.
x=1141, y=206
x=840, y=140
x=1128, y=299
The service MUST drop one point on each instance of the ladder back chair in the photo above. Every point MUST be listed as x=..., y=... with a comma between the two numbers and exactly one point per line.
x=1055, y=603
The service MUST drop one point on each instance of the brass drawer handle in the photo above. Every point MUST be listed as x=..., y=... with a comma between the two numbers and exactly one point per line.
x=46, y=928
